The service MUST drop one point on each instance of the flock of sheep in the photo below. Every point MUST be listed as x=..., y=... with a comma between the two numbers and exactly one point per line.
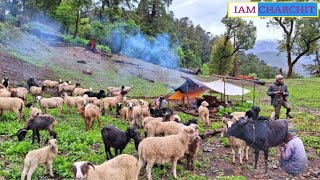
x=167, y=139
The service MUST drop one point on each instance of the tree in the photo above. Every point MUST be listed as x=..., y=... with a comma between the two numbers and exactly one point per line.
x=243, y=35
x=221, y=56
x=314, y=69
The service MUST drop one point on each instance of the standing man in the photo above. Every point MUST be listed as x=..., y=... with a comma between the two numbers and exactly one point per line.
x=293, y=157
x=279, y=96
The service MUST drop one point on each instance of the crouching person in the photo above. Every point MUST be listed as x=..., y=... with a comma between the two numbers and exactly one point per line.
x=293, y=158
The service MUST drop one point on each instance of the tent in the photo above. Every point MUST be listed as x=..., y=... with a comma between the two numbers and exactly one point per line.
x=192, y=88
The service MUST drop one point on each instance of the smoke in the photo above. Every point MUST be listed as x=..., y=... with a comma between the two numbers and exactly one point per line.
x=158, y=51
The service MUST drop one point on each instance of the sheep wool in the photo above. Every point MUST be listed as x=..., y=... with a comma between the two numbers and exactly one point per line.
x=15, y=105
x=44, y=155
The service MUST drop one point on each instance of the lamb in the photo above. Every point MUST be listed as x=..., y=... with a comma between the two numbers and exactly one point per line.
x=51, y=84
x=204, y=113
x=109, y=102
x=20, y=92
x=99, y=95
x=31, y=82
x=164, y=149
x=135, y=114
x=89, y=113
x=122, y=167
x=54, y=102
x=33, y=111
x=80, y=91
x=192, y=151
x=36, y=91
x=236, y=144
x=15, y=105
x=37, y=123
x=5, y=82
x=144, y=104
x=123, y=112
x=114, y=137
x=44, y=156
x=73, y=101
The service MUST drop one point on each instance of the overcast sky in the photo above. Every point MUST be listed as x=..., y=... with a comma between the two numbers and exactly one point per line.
x=208, y=13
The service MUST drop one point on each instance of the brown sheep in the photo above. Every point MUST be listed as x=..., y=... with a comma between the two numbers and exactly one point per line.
x=89, y=113
x=192, y=151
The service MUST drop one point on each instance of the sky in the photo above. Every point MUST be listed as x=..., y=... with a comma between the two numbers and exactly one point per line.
x=208, y=13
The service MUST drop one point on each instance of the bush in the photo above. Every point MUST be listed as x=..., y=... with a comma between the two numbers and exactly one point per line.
x=75, y=41
x=205, y=69
x=105, y=49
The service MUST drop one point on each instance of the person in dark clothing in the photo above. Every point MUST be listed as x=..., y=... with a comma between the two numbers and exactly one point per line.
x=279, y=96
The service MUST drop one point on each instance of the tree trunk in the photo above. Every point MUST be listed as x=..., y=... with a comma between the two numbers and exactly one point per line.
x=102, y=10
x=77, y=25
x=234, y=70
x=290, y=70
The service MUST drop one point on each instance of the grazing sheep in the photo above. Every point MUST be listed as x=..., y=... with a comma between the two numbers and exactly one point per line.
x=114, y=137
x=204, y=113
x=73, y=101
x=31, y=82
x=159, y=150
x=80, y=91
x=65, y=87
x=126, y=89
x=149, y=118
x=5, y=93
x=122, y=167
x=5, y=82
x=135, y=114
x=155, y=128
x=36, y=91
x=37, y=123
x=99, y=95
x=123, y=111
x=54, y=102
x=260, y=135
x=109, y=102
x=33, y=111
x=48, y=84
x=36, y=157
x=236, y=144
x=20, y=92
x=192, y=151
x=15, y=105
x=89, y=113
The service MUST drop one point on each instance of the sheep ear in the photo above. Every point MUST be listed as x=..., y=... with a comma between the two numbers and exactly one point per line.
x=90, y=164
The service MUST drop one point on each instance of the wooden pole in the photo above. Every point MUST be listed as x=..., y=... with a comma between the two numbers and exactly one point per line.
x=254, y=93
x=242, y=95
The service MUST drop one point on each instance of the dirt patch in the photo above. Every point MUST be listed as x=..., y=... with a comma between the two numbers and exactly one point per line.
x=19, y=71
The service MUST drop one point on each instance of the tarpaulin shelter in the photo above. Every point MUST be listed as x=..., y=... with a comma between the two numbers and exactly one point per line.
x=190, y=89
x=223, y=87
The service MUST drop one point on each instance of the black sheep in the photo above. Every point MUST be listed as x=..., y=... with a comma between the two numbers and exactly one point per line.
x=31, y=82
x=260, y=135
x=40, y=122
x=114, y=137
x=99, y=95
x=5, y=82
x=192, y=121
x=160, y=112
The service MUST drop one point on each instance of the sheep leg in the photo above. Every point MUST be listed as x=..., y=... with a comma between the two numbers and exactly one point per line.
x=188, y=162
x=50, y=167
x=148, y=169
x=140, y=165
x=46, y=167
x=25, y=171
x=266, y=155
x=31, y=170
x=240, y=152
x=247, y=153
x=174, y=168
x=38, y=135
x=256, y=156
x=115, y=151
x=33, y=135
x=233, y=155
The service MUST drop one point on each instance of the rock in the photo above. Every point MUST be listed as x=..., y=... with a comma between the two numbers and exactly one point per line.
x=315, y=173
x=87, y=71
x=274, y=166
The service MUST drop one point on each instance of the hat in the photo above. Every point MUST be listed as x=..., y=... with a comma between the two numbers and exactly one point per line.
x=279, y=77
x=292, y=130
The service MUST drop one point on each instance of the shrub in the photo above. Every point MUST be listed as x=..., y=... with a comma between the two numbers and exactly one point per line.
x=104, y=48
x=75, y=41
x=205, y=69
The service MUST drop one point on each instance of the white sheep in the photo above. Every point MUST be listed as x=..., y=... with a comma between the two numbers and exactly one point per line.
x=109, y=102
x=15, y=105
x=204, y=113
x=236, y=144
x=156, y=128
x=5, y=93
x=89, y=113
x=36, y=157
x=36, y=91
x=51, y=84
x=143, y=103
x=159, y=150
x=80, y=91
x=122, y=167
x=150, y=118
x=135, y=114
x=34, y=111
x=54, y=102
x=65, y=87
x=19, y=92
x=71, y=101
x=125, y=89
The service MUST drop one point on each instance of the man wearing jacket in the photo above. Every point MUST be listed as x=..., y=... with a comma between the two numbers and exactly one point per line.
x=279, y=96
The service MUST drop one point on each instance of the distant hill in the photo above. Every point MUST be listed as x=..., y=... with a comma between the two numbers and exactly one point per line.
x=267, y=51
